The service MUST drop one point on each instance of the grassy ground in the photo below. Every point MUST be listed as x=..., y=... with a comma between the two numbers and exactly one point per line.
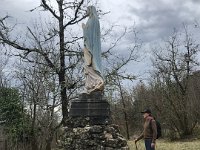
x=167, y=145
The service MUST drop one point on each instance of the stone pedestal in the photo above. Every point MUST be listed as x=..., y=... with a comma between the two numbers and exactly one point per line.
x=89, y=127
x=93, y=106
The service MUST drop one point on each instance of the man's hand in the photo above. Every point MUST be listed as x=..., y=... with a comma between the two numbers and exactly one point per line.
x=136, y=140
x=153, y=145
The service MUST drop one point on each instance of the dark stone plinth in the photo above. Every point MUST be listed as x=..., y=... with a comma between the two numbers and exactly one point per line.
x=91, y=105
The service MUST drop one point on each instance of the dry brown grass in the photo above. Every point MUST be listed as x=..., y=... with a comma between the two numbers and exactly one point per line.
x=167, y=145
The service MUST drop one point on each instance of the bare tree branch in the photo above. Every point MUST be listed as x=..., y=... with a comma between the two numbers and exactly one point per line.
x=47, y=7
x=74, y=20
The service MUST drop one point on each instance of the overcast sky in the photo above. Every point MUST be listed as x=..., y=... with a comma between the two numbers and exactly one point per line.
x=154, y=19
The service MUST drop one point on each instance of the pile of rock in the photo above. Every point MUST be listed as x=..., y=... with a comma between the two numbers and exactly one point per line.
x=96, y=137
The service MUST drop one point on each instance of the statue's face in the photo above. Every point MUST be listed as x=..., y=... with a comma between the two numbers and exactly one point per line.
x=91, y=10
x=88, y=11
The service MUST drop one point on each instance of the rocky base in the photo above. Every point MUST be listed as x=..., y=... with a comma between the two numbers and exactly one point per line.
x=95, y=137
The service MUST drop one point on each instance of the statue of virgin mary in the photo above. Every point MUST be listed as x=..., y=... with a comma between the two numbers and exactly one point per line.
x=92, y=53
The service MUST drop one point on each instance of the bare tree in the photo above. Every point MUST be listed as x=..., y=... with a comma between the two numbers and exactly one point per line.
x=40, y=41
x=173, y=68
x=39, y=90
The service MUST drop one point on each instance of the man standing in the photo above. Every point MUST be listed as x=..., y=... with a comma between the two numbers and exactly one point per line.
x=149, y=132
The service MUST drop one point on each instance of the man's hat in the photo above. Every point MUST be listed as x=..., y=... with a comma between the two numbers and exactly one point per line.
x=146, y=111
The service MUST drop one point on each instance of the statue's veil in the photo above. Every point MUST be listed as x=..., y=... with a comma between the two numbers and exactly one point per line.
x=92, y=41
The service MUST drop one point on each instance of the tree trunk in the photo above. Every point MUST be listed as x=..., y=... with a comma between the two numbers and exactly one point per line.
x=48, y=143
x=62, y=81
x=34, y=144
x=124, y=110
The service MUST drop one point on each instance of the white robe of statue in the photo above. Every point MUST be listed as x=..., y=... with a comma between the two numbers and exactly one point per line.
x=92, y=53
